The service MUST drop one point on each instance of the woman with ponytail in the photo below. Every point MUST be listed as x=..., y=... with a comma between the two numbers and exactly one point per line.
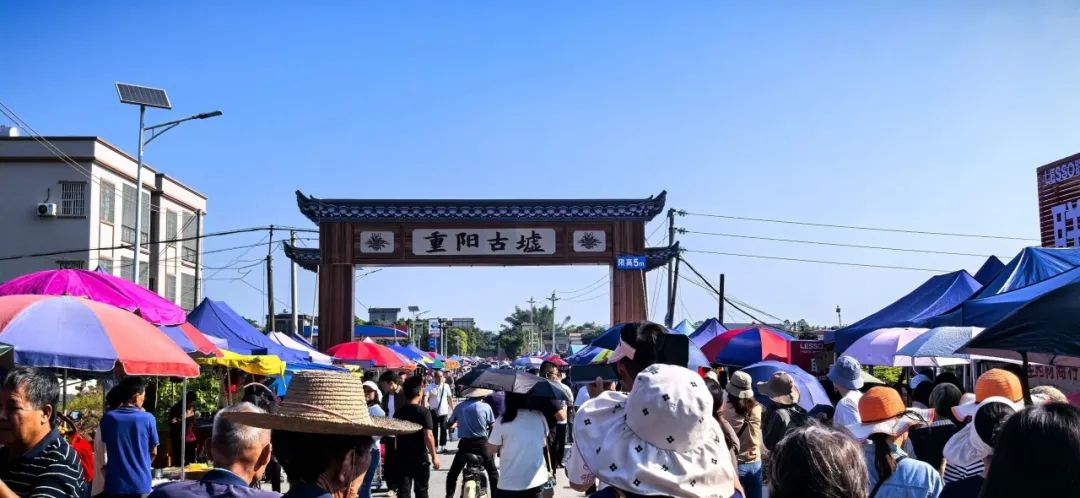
x=885, y=424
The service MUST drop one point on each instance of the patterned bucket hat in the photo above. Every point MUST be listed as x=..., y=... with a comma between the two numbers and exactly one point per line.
x=660, y=439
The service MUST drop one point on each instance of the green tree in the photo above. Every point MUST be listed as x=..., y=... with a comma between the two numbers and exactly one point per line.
x=512, y=342
x=517, y=324
x=589, y=331
x=457, y=342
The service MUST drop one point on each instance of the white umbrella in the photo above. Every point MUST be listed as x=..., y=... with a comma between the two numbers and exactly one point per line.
x=937, y=347
x=880, y=346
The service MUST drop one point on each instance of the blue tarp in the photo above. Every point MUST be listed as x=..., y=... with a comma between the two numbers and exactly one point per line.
x=989, y=270
x=683, y=328
x=707, y=332
x=375, y=331
x=988, y=311
x=219, y=320
x=937, y=295
x=1032, y=265
x=577, y=348
x=281, y=384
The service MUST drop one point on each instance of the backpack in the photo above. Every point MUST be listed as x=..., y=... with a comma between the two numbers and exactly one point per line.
x=799, y=417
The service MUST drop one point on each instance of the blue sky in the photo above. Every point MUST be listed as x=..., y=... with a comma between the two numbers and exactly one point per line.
x=909, y=114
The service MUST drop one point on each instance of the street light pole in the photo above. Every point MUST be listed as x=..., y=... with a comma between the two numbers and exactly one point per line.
x=138, y=198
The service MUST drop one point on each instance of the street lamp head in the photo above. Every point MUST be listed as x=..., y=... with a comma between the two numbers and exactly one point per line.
x=205, y=115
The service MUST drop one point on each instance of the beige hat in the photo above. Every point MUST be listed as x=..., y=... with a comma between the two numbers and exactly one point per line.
x=322, y=402
x=476, y=392
x=740, y=385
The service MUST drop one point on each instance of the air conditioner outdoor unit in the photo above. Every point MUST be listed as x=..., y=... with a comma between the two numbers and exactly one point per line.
x=46, y=210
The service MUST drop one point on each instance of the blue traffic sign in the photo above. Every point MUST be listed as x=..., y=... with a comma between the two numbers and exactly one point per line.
x=630, y=263
x=431, y=344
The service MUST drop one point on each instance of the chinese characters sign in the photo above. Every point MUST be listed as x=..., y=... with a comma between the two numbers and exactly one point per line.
x=630, y=263
x=483, y=242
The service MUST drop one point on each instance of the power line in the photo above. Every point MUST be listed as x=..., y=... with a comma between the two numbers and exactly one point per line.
x=726, y=300
x=818, y=261
x=586, y=289
x=855, y=227
x=834, y=244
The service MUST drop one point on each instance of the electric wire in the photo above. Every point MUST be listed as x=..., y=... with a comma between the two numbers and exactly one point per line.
x=817, y=261
x=833, y=244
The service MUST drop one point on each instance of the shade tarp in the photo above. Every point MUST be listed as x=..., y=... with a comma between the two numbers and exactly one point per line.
x=1030, y=266
x=935, y=296
x=298, y=344
x=988, y=311
x=267, y=365
x=708, y=331
x=378, y=331
x=217, y=319
x=1047, y=329
x=683, y=328
x=989, y=270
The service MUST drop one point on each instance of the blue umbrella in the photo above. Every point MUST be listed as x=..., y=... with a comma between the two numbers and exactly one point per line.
x=937, y=346
x=585, y=356
x=609, y=339
x=811, y=393
x=683, y=328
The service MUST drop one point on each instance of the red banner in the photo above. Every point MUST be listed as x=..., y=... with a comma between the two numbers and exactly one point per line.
x=805, y=354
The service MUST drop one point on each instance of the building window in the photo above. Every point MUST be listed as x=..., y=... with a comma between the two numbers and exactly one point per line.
x=127, y=229
x=144, y=274
x=187, y=291
x=170, y=288
x=171, y=233
x=106, y=265
x=71, y=264
x=145, y=219
x=107, y=206
x=190, y=246
x=72, y=198
x=127, y=268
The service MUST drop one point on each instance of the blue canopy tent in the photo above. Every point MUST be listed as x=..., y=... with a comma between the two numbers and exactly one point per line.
x=935, y=296
x=378, y=332
x=1032, y=265
x=707, y=332
x=577, y=348
x=683, y=328
x=281, y=384
x=215, y=318
x=989, y=270
x=609, y=339
x=989, y=310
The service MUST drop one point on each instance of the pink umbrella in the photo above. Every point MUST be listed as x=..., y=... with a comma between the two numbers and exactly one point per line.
x=100, y=287
x=880, y=346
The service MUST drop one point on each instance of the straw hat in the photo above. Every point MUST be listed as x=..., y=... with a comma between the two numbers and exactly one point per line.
x=883, y=412
x=475, y=392
x=740, y=385
x=660, y=439
x=995, y=382
x=322, y=402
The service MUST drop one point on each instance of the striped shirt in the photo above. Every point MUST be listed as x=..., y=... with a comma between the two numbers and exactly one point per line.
x=51, y=470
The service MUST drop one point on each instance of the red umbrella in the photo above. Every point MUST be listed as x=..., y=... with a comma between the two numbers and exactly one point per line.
x=556, y=360
x=742, y=347
x=377, y=354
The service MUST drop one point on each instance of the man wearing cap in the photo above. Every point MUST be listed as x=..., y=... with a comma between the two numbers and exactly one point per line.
x=240, y=454
x=785, y=414
x=322, y=434
x=846, y=377
x=473, y=419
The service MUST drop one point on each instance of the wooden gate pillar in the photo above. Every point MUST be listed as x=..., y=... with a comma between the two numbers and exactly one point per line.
x=628, y=286
x=336, y=283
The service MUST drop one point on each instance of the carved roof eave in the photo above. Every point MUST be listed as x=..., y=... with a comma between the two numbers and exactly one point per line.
x=307, y=257
x=479, y=210
x=656, y=257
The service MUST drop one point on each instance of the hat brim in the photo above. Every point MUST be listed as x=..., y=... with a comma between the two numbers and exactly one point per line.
x=739, y=393
x=852, y=384
x=781, y=398
x=476, y=392
x=968, y=410
x=619, y=458
x=894, y=426
x=378, y=426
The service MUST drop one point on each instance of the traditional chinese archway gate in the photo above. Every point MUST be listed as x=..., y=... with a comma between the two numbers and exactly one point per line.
x=359, y=232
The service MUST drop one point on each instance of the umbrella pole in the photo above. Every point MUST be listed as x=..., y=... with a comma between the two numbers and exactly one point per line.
x=183, y=427
x=63, y=393
x=1024, y=380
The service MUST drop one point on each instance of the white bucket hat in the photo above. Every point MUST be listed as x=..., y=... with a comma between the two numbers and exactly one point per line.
x=661, y=439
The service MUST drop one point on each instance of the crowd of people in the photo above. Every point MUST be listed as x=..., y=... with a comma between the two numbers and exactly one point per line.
x=661, y=430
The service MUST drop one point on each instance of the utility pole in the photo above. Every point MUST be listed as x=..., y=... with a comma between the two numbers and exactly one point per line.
x=674, y=293
x=270, y=281
x=295, y=296
x=670, y=317
x=552, y=299
x=532, y=320
x=721, y=316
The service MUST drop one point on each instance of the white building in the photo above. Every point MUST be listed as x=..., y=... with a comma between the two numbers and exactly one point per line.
x=57, y=215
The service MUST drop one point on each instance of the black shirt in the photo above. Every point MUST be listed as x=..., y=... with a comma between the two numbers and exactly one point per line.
x=929, y=442
x=49, y=469
x=412, y=448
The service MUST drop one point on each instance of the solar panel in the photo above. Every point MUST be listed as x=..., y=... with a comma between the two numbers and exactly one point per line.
x=142, y=95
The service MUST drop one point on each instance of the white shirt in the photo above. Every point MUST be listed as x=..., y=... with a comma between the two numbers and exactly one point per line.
x=522, y=451
x=566, y=404
x=439, y=398
x=582, y=396
x=847, y=410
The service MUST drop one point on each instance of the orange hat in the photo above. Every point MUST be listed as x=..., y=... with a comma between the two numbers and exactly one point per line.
x=883, y=412
x=994, y=383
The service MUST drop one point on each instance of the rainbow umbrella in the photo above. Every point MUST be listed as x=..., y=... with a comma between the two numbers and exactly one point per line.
x=79, y=334
x=100, y=287
x=741, y=347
